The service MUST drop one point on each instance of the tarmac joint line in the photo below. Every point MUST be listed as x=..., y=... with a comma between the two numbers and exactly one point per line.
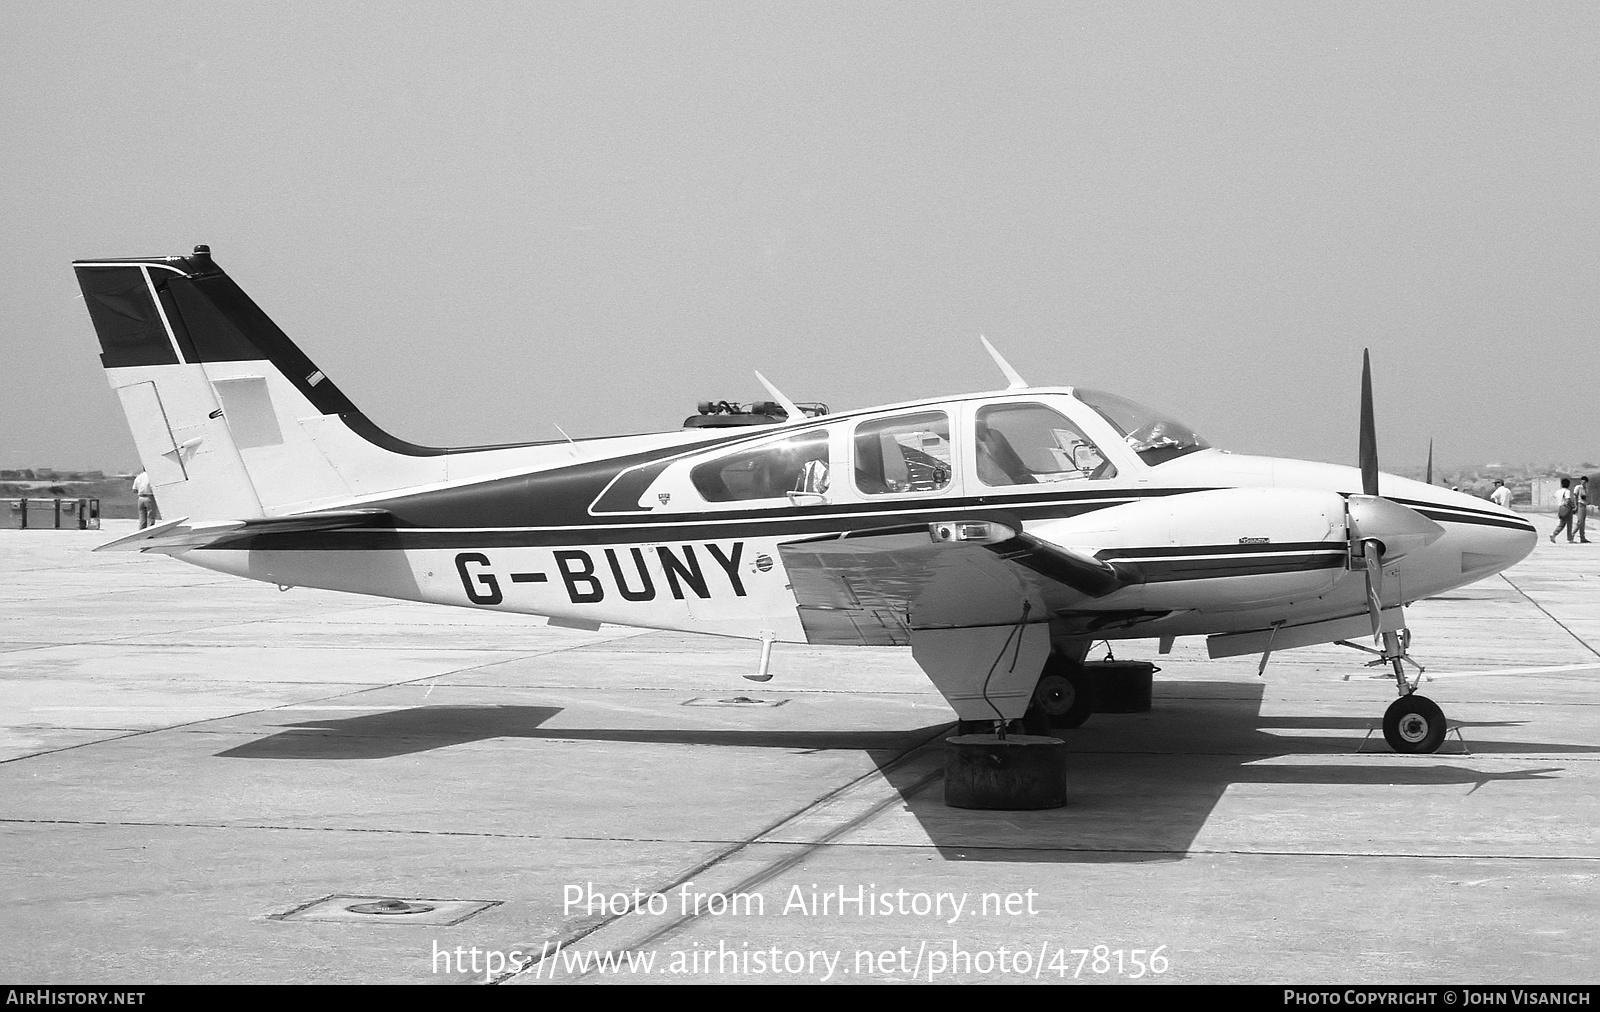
x=738, y=869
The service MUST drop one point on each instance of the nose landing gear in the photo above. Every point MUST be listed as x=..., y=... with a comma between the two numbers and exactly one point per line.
x=1414, y=724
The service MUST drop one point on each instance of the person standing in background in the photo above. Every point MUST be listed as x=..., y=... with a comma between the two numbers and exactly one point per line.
x=1563, y=511
x=1580, y=506
x=147, y=500
x=1501, y=496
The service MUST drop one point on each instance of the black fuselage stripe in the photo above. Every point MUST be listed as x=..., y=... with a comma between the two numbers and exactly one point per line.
x=1478, y=520
x=1167, y=571
x=778, y=524
x=1252, y=548
x=858, y=520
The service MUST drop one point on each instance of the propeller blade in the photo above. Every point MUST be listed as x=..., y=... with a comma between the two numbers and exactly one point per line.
x=1369, y=430
x=1374, y=586
x=1429, y=478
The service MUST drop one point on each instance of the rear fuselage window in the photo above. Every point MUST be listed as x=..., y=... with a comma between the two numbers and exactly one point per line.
x=906, y=453
x=799, y=464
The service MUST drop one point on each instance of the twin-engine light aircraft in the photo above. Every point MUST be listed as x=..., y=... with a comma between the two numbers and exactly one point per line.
x=996, y=534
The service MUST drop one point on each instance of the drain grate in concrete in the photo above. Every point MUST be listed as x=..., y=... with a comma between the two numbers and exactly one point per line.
x=732, y=701
x=386, y=909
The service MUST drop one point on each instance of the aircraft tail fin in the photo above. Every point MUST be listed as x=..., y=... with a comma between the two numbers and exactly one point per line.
x=231, y=419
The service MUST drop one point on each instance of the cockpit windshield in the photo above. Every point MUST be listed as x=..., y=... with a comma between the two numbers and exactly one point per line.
x=1154, y=437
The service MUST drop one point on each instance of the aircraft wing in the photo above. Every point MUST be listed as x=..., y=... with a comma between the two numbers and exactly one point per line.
x=874, y=587
x=179, y=535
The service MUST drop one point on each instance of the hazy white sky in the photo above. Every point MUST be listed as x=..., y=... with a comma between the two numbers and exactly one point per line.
x=484, y=220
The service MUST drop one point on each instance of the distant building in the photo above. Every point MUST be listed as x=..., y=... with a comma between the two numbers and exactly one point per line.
x=1546, y=493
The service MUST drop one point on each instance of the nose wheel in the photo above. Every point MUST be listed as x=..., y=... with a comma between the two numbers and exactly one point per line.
x=1414, y=725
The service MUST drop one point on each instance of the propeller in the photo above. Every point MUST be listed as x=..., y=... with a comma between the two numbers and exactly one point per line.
x=1369, y=549
x=1369, y=430
x=1382, y=531
x=1429, y=477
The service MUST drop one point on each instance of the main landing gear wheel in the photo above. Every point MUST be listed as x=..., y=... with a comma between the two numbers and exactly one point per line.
x=1064, y=698
x=1414, y=724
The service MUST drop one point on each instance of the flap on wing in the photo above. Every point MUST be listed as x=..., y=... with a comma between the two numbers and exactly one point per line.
x=181, y=536
x=929, y=577
x=865, y=627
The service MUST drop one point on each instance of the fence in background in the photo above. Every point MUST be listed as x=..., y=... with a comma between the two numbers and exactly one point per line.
x=50, y=514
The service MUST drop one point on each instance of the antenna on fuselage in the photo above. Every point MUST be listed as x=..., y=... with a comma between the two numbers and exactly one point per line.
x=795, y=414
x=572, y=444
x=1014, y=380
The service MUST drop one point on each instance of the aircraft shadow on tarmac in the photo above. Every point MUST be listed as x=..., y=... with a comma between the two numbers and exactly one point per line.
x=396, y=732
x=425, y=728
x=1140, y=786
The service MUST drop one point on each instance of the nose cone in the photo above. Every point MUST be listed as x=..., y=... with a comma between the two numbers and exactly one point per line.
x=1490, y=549
x=1489, y=538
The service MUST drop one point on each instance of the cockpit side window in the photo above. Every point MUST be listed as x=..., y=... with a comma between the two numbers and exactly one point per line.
x=906, y=453
x=1026, y=444
x=1156, y=438
x=797, y=464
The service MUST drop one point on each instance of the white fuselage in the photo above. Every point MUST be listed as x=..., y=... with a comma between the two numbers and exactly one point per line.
x=671, y=559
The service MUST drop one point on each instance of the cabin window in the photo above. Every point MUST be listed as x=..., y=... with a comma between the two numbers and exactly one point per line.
x=1027, y=444
x=906, y=453
x=770, y=471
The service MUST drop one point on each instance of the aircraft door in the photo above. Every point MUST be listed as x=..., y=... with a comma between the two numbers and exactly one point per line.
x=1022, y=445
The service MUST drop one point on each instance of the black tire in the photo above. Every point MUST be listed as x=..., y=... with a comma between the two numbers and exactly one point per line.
x=1063, y=696
x=1414, y=725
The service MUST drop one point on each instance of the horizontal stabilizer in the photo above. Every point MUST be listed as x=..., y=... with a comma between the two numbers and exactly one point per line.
x=181, y=536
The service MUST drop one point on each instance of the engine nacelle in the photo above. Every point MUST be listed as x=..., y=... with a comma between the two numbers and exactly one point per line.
x=1237, y=547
